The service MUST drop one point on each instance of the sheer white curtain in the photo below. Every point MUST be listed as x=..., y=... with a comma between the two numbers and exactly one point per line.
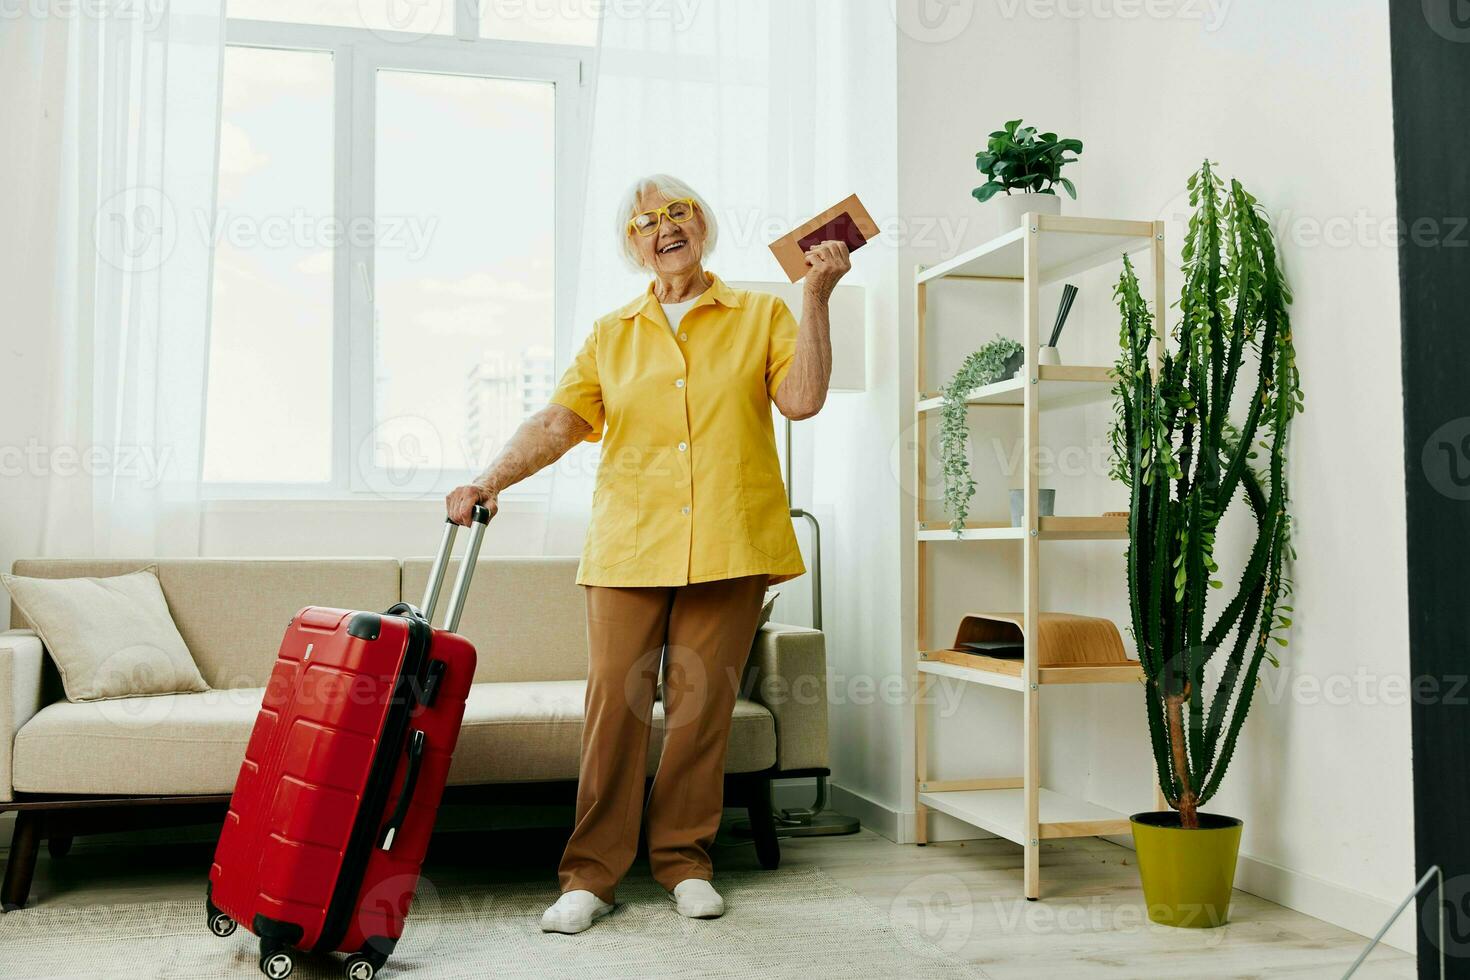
x=116, y=162
x=747, y=100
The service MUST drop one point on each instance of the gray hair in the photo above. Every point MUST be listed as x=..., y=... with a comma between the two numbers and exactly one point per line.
x=673, y=188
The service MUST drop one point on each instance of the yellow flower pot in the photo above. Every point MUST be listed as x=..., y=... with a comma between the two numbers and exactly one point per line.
x=1187, y=874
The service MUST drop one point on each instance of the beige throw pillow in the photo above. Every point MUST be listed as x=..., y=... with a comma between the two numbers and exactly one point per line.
x=110, y=637
x=767, y=608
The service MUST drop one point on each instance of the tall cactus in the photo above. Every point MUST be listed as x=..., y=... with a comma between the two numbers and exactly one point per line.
x=1185, y=462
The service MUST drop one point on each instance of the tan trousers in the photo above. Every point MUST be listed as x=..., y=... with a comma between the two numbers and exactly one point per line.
x=702, y=634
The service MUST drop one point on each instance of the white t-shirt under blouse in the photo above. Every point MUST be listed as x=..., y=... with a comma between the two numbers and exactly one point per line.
x=674, y=312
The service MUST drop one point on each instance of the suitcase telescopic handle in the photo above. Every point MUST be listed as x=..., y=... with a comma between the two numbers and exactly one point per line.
x=480, y=518
x=466, y=569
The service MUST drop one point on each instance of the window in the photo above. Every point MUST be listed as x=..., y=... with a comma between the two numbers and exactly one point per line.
x=464, y=293
x=394, y=243
x=271, y=328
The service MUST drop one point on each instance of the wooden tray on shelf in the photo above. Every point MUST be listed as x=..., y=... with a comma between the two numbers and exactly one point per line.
x=1063, y=640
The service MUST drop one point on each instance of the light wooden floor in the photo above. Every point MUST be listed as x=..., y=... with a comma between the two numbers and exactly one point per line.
x=963, y=896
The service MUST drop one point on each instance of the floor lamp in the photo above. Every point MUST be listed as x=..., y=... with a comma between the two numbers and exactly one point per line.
x=847, y=315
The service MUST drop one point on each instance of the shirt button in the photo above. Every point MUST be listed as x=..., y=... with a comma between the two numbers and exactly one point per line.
x=685, y=511
x=683, y=336
x=679, y=383
x=683, y=446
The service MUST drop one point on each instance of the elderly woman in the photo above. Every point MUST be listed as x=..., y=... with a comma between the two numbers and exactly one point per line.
x=689, y=525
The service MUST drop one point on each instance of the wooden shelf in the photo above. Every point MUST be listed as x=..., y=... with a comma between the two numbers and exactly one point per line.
x=999, y=672
x=1045, y=248
x=1001, y=811
x=939, y=531
x=989, y=671
x=1052, y=529
x=1073, y=245
x=1084, y=529
x=1059, y=385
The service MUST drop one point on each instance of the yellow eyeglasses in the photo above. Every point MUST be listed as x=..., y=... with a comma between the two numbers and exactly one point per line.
x=646, y=223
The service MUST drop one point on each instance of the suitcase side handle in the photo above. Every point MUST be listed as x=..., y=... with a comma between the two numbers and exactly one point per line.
x=405, y=796
x=441, y=565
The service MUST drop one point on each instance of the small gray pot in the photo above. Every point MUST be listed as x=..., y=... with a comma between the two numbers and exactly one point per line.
x=1045, y=499
x=1011, y=365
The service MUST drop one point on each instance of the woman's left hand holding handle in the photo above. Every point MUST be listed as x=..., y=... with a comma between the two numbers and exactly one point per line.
x=460, y=504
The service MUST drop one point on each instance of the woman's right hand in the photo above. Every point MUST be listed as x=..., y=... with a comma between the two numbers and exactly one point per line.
x=460, y=504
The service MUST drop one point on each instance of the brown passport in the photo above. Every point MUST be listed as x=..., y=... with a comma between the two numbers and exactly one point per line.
x=847, y=221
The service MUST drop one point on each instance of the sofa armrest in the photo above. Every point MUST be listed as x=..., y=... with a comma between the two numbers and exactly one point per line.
x=21, y=659
x=788, y=675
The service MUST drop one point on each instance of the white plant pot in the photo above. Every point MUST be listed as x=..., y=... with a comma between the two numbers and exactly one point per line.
x=1005, y=210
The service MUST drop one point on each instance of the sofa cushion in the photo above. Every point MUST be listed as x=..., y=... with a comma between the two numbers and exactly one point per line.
x=527, y=617
x=231, y=612
x=194, y=743
x=167, y=744
x=532, y=731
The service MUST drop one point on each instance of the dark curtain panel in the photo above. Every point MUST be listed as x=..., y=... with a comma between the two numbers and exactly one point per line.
x=1431, y=114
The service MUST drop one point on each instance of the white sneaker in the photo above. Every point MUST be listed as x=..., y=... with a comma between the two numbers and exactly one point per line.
x=574, y=912
x=696, y=898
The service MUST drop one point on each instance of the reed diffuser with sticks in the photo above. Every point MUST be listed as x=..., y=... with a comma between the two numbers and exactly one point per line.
x=1049, y=353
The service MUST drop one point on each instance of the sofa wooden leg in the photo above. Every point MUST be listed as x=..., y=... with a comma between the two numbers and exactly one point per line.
x=58, y=845
x=20, y=866
x=763, y=823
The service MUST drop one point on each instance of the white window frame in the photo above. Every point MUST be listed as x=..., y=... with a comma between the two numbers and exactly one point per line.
x=357, y=54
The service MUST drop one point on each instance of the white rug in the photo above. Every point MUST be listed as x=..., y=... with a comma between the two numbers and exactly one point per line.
x=781, y=924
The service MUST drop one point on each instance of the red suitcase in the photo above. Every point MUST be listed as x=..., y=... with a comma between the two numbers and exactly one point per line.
x=342, y=778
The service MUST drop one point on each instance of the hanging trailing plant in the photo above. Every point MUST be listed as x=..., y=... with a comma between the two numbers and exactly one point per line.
x=985, y=366
x=1185, y=462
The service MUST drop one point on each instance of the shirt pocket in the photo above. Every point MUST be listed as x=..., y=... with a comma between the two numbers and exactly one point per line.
x=767, y=516
x=612, y=536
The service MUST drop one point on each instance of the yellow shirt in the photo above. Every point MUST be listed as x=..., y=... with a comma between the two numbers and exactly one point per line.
x=689, y=488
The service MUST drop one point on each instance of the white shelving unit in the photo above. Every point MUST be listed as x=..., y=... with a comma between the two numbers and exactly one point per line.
x=1044, y=249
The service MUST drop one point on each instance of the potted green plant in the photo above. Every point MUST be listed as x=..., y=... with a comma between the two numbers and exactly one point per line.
x=1023, y=168
x=1186, y=460
x=995, y=361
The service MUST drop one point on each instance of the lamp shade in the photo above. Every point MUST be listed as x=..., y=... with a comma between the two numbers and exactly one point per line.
x=847, y=312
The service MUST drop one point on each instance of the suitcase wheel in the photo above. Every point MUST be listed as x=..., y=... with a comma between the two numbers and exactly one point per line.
x=362, y=966
x=276, y=963
x=219, y=923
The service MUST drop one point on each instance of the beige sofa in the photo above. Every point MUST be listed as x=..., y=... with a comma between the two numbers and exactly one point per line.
x=74, y=768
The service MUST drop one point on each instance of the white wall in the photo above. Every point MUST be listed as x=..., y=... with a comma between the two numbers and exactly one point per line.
x=953, y=90
x=844, y=461
x=396, y=528
x=1293, y=100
